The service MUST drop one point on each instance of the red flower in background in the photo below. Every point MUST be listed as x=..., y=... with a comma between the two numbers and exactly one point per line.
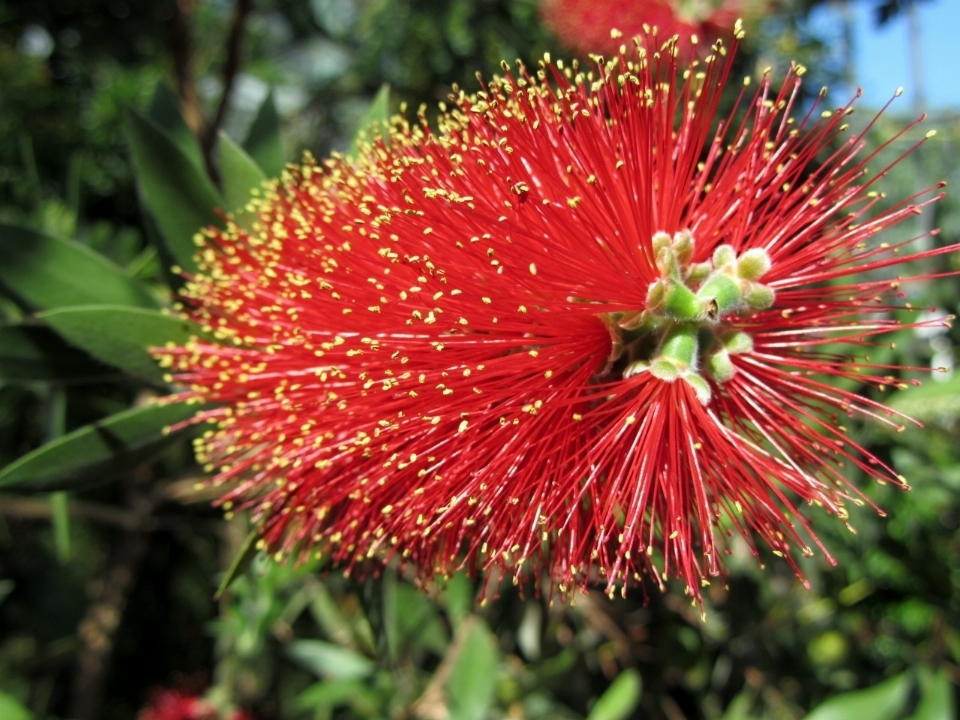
x=176, y=705
x=581, y=328
x=585, y=25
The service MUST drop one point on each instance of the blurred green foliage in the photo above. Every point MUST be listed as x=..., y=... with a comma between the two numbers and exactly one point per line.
x=108, y=592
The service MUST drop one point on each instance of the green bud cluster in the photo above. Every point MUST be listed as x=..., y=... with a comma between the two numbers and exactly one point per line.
x=681, y=334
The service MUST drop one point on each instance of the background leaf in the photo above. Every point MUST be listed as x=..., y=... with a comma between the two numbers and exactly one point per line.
x=12, y=709
x=936, y=697
x=180, y=196
x=263, y=139
x=880, y=702
x=240, y=173
x=374, y=120
x=50, y=272
x=620, y=699
x=35, y=352
x=97, y=451
x=165, y=112
x=330, y=661
x=121, y=336
x=472, y=682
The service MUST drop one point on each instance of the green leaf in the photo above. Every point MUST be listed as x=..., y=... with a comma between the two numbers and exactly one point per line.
x=97, y=451
x=373, y=124
x=121, y=336
x=473, y=677
x=933, y=402
x=12, y=709
x=60, y=510
x=263, y=140
x=459, y=597
x=240, y=173
x=620, y=699
x=330, y=694
x=936, y=697
x=330, y=661
x=177, y=192
x=240, y=563
x=50, y=272
x=881, y=702
x=35, y=352
x=739, y=708
x=165, y=112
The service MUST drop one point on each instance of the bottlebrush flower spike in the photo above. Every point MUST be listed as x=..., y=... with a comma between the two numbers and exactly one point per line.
x=577, y=329
x=585, y=25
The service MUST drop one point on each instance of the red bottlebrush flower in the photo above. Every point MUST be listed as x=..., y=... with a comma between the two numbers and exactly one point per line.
x=586, y=25
x=176, y=705
x=582, y=327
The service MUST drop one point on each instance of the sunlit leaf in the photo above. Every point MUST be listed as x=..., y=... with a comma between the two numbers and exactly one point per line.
x=936, y=697
x=330, y=661
x=881, y=702
x=12, y=709
x=620, y=699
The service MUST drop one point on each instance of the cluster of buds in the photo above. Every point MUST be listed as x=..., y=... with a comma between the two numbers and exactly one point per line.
x=682, y=333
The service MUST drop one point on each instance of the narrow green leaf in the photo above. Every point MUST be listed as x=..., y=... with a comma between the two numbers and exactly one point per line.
x=936, y=697
x=50, y=272
x=240, y=563
x=56, y=422
x=180, y=196
x=330, y=661
x=12, y=709
x=97, y=451
x=165, y=112
x=240, y=173
x=459, y=597
x=121, y=336
x=35, y=352
x=263, y=139
x=620, y=699
x=473, y=677
x=932, y=402
x=739, y=708
x=60, y=510
x=330, y=694
x=881, y=702
x=373, y=124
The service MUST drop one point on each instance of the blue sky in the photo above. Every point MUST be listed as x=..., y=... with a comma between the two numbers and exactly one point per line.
x=882, y=54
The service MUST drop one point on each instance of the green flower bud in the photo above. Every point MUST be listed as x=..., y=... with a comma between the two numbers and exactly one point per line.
x=719, y=295
x=759, y=297
x=719, y=366
x=700, y=386
x=724, y=255
x=665, y=370
x=753, y=264
x=681, y=347
x=680, y=303
x=738, y=343
x=683, y=245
